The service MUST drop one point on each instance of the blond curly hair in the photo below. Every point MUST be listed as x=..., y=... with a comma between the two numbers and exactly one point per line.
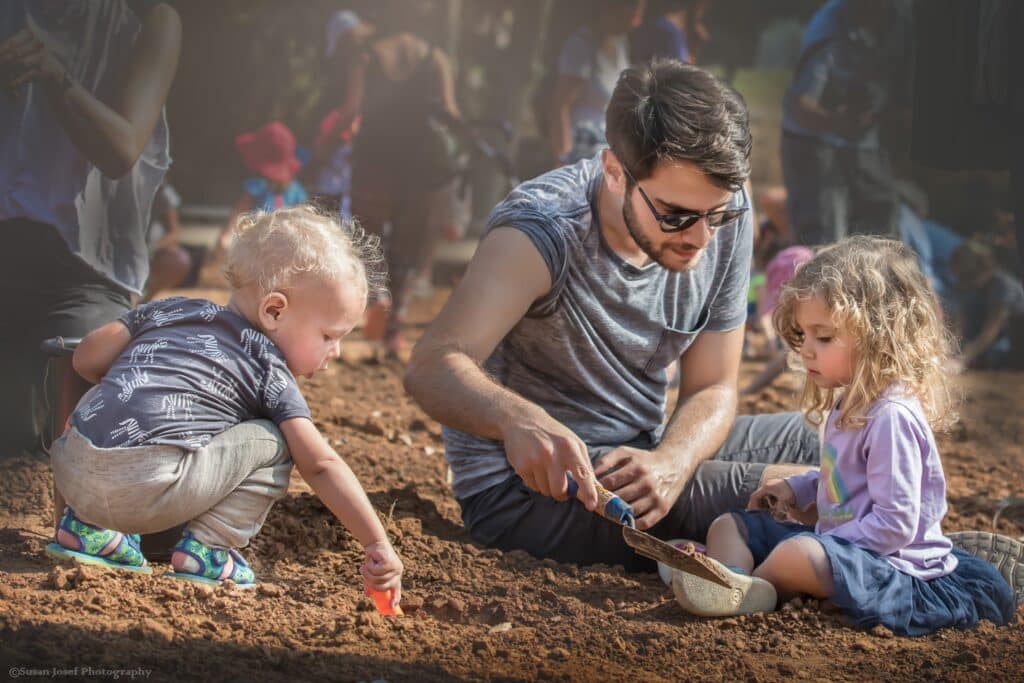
x=272, y=248
x=878, y=294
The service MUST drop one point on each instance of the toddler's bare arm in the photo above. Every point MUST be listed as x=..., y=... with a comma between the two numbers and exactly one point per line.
x=99, y=350
x=332, y=480
x=336, y=485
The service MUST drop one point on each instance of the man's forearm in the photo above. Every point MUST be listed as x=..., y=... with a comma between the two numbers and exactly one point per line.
x=455, y=391
x=698, y=427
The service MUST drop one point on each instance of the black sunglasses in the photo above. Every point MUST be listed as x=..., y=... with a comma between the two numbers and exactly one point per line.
x=677, y=222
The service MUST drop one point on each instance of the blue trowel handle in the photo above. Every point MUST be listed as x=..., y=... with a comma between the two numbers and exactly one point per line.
x=609, y=505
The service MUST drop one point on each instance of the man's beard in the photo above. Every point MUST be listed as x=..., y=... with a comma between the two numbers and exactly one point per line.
x=645, y=244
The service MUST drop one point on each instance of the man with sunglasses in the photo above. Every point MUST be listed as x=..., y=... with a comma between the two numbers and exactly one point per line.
x=552, y=355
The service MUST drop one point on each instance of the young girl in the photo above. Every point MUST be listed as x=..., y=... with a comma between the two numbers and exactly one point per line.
x=197, y=417
x=869, y=333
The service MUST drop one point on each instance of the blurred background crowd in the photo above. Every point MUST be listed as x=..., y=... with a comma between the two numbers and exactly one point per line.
x=888, y=117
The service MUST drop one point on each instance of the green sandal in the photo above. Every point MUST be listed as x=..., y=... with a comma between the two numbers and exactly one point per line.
x=126, y=555
x=210, y=565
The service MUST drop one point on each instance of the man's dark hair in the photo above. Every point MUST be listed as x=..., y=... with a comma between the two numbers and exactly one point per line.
x=668, y=111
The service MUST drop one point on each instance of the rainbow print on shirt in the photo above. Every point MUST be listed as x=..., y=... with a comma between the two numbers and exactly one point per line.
x=835, y=489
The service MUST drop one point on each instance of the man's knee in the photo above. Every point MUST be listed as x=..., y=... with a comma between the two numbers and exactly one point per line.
x=771, y=438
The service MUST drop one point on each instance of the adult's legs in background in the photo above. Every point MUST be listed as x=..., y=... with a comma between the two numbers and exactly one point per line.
x=872, y=202
x=418, y=228
x=50, y=293
x=815, y=197
x=1017, y=189
x=372, y=208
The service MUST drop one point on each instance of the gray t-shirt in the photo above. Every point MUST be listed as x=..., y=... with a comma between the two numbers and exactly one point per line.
x=192, y=370
x=594, y=351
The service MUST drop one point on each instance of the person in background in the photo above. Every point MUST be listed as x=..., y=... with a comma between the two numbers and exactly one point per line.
x=589, y=65
x=330, y=170
x=171, y=264
x=673, y=29
x=777, y=272
x=933, y=242
x=83, y=149
x=990, y=311
x=847, y=81
x=270, y=153
x=403, y=157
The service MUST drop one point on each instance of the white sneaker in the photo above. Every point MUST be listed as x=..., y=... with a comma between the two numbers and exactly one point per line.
x=665, y=571
x=746, y=595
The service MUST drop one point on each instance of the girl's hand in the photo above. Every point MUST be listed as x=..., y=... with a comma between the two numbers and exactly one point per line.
x=382, y=570
x=808, y=517
x=774, y=495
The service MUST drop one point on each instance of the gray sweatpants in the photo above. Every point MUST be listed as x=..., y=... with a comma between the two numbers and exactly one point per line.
x=511, y=516
x=223, y=491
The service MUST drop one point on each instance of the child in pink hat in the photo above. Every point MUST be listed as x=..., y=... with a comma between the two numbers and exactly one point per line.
x=269, y=152
x=779, y=270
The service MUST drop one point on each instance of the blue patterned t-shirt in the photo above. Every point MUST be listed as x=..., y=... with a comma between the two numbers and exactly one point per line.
x=192, y=370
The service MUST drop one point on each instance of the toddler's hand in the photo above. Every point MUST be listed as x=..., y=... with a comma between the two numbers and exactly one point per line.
x=382, y=570
x=776, y=496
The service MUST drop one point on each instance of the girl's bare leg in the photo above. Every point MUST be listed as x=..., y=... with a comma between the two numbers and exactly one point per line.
x=727, y=544
x=798, y=566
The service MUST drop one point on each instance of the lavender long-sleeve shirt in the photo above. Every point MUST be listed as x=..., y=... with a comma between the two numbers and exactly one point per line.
x=882, y=488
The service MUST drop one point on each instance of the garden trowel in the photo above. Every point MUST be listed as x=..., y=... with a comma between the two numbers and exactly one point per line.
x=686, y=559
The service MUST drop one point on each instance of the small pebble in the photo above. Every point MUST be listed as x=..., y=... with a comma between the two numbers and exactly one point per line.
x=271, y=590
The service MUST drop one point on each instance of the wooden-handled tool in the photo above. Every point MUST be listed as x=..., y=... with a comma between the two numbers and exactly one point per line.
x=686, y=559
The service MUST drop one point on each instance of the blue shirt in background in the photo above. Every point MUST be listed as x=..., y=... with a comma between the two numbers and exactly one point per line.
x=265, y=199
x=845, y=65
x=658, y=37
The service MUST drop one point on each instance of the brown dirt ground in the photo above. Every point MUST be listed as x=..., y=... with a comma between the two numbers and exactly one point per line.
x=472, y=613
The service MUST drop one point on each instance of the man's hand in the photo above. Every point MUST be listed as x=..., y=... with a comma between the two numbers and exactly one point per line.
x=541, y=450
x=649, y=481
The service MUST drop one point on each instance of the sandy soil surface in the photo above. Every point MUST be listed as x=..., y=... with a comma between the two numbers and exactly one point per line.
x=472, y=613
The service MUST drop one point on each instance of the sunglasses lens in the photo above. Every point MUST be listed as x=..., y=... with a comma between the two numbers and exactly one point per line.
x=724, y=217
x=678, y=223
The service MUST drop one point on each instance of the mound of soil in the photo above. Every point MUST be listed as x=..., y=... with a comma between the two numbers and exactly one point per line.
x=472, y=613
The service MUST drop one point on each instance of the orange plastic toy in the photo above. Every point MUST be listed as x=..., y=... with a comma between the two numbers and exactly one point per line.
x=382, y=599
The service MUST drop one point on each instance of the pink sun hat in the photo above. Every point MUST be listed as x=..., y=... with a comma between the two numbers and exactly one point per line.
x=270, y=151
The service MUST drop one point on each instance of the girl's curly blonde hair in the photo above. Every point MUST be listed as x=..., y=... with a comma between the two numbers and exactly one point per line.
x=272, y=248
x=877, y=293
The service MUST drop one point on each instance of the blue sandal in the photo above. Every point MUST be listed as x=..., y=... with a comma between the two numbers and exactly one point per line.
x=126, y=555
x=209, y=564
